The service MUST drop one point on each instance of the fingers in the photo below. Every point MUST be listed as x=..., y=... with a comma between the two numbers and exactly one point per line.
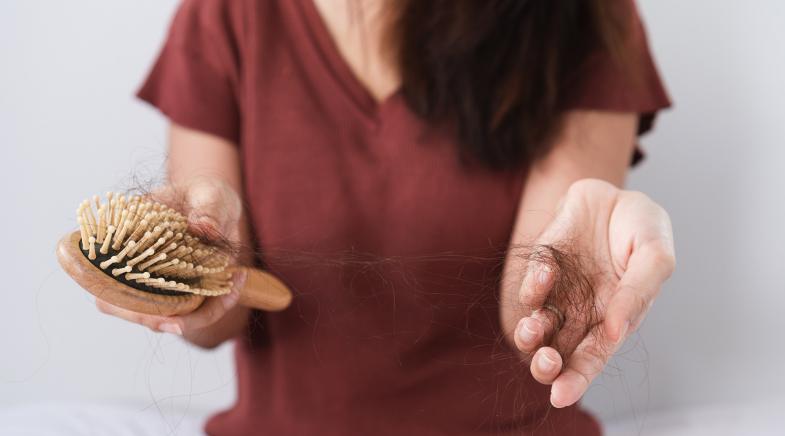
x=215, y=208
x=546, y=365
x=213, y=211
x=212, y=207
x=647, y=270
x=529, y=334
x=214, y=308
x=534, y=330
x=585, y=363
x=153, y=322
x=547, y=362
x=536, y=285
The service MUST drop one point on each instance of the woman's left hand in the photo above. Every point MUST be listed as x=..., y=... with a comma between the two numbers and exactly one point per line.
x=625, y=235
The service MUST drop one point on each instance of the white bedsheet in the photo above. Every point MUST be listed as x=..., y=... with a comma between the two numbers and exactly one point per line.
x=97, y=420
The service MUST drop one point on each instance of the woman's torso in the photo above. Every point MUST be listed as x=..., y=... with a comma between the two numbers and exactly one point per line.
x=392, y=246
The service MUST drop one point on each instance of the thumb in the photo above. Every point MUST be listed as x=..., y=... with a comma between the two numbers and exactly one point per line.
x=213, y=209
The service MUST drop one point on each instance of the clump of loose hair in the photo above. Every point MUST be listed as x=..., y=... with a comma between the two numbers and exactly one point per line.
x=573, y=292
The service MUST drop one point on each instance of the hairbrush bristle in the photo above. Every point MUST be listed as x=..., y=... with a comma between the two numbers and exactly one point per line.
x=145, y=244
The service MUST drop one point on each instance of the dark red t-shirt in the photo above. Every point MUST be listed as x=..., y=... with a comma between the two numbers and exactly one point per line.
x=389, y=243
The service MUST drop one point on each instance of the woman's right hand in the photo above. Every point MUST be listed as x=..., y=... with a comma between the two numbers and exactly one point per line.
x=213, y=210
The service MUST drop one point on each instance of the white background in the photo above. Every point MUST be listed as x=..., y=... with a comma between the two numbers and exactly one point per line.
x=69, y=127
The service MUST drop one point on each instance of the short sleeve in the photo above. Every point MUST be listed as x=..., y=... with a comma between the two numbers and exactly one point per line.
x=194, y=81
x=632, y=85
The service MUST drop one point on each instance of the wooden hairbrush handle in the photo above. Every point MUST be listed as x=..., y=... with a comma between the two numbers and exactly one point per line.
x=263, y=291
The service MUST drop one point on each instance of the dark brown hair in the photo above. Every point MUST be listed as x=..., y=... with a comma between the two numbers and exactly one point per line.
x=498, y=71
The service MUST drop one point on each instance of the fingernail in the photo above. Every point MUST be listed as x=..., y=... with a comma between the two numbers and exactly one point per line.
x=528, y=331
x=170, y=327
x=553, y=401
x=546, y=364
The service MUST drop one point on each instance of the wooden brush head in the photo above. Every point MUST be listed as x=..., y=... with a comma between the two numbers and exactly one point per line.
x=107, y=288
x=137, y=254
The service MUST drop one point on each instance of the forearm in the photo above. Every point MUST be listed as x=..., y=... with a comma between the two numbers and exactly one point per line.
x=591, y=145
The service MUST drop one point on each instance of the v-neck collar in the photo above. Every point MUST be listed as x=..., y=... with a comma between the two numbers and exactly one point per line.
x=338, y=66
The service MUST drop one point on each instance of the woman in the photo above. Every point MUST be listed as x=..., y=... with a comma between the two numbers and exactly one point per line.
x=380, y=154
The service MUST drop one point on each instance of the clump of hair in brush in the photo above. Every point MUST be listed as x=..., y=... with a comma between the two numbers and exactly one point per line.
x=146, y=245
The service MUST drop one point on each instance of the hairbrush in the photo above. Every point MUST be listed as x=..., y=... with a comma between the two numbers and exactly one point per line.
x=138, y=254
